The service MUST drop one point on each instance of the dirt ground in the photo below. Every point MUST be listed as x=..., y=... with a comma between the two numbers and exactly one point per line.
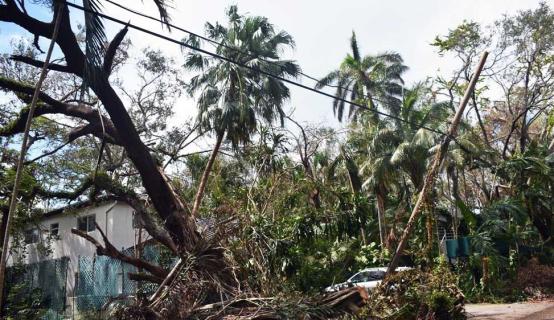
x=543, y=310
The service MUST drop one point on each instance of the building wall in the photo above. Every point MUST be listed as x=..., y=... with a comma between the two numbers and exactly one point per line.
x=114, y=218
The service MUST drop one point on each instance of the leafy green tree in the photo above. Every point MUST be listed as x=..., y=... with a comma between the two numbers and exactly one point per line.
x=393, y=156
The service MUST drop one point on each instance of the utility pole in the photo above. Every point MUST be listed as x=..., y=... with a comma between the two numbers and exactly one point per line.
x=24, y=146
x=431, y=174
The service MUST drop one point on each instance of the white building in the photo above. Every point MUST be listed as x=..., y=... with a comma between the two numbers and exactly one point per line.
x=115, y=218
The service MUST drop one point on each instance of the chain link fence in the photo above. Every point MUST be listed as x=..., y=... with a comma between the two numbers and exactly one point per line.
x=98, y=281
x=102, y=279
x=40, y=285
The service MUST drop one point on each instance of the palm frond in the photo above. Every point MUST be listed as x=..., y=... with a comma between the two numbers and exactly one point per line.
x=95, y=37
x=195, y=62
x=354, y=47
x=163, y=5
x=328, y=79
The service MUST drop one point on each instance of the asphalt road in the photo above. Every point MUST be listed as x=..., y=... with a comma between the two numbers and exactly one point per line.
x=543, y=310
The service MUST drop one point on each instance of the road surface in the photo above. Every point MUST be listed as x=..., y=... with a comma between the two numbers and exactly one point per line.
x=543, y=310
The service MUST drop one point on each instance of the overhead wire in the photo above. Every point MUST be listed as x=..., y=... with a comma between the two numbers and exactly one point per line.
x=216, y=43
x=241, y=51
x=269, y=74
x=250, y=54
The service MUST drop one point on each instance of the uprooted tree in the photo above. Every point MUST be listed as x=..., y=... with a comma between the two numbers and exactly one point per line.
x=206, y=274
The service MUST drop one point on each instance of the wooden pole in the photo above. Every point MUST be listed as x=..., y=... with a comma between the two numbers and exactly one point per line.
x=24, y=146
x=430, y=178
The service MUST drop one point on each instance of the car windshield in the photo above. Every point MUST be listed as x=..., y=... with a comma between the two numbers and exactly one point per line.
x=366, y=276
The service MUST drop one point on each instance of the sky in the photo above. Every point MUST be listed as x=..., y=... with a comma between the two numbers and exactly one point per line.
x=321, y=30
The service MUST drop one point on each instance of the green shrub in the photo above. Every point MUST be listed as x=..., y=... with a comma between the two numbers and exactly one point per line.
x=23, y=303
x=415, y=294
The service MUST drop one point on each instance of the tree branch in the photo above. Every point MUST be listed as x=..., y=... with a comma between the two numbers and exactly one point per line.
x=69, y=195
x=112, y=50
x=94, y=129
x=48, y=153
x=66, y=38
x=39, y=64
x=109, y=250
x=52, y=106
x=144, y=277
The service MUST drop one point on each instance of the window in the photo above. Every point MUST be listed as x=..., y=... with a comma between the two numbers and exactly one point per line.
x=360, y=277
x=31, y=236
x=55, y=230
x=86, y=223
x=368, y=276
x=376, y=275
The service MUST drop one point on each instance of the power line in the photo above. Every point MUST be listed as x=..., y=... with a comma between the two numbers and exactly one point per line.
x=248, y=54
x=218, y=56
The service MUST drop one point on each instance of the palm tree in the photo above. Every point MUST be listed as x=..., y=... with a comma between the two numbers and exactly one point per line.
x=230, y=97
x=381, y=172
x=417, y=143
x=400, y=151
x=366, y=80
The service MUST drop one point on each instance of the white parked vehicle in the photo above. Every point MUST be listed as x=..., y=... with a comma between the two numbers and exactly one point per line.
x=367, y=278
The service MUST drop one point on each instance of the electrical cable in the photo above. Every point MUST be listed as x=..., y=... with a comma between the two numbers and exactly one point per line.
x=218, y=56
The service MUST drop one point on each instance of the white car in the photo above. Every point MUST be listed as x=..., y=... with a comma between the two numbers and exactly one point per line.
x=367, y=278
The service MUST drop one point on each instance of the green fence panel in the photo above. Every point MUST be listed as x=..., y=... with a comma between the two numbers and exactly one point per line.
x=102, y=279
x=49, y=277
x=452, y=248
x=463, y=247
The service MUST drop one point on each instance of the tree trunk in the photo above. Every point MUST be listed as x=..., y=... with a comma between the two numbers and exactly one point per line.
x=429, y=226
x=430, y=178
x=3, y=226
x=167, y=204
x=171, y=210
x=206, y=174
x=381, y=218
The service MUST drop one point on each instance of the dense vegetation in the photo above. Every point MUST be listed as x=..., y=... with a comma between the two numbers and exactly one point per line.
x=309, y=205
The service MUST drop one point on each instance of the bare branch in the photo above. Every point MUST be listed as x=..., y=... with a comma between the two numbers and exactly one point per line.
x=144, y=277
x=112, y=50
x=51, y=106
x=39, y=64
x=109, y=250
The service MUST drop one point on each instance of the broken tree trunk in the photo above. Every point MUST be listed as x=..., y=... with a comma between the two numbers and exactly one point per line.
x=381, y=217
x=430, y=178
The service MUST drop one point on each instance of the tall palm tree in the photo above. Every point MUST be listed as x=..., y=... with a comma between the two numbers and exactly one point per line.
x=399, y=151
x=231, y=98
x=381, y=172
x=370, y=80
